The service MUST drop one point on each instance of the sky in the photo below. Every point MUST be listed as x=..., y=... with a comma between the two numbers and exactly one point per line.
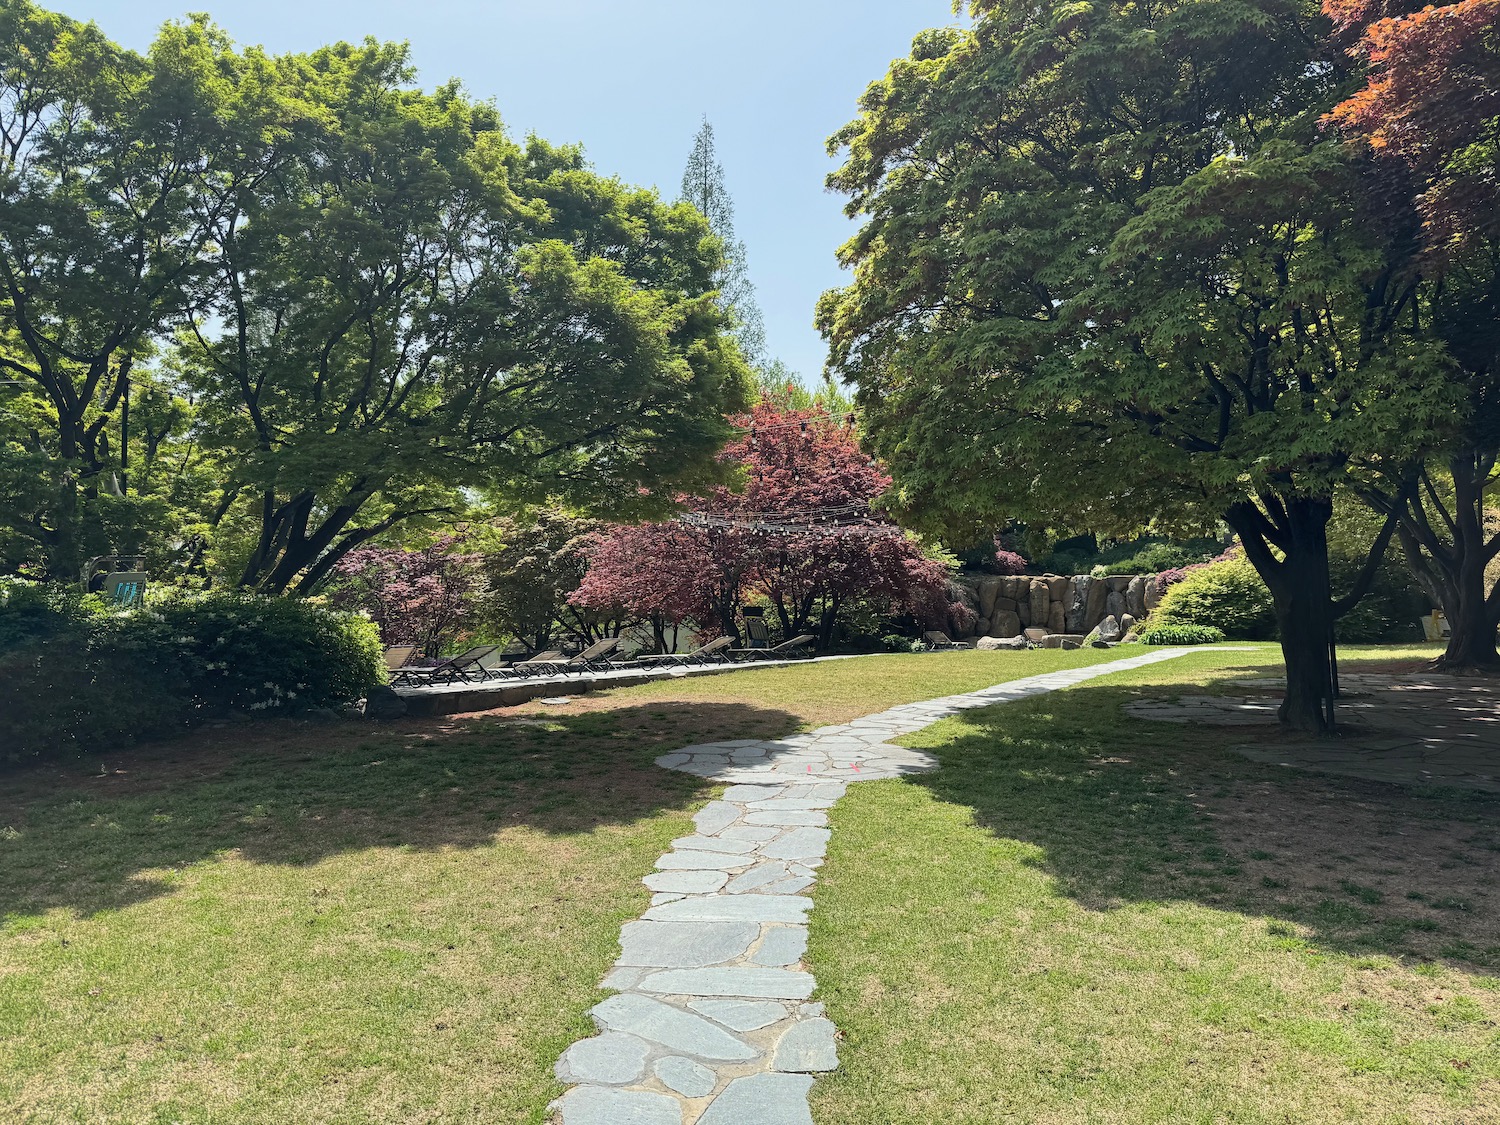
x=630, y=80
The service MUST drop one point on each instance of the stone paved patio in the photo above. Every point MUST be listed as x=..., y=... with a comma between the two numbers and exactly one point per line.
x=712, y=1023
x=1417, y=728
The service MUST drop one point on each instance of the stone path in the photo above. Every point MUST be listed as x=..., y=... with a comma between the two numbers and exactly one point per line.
x=712, y=1023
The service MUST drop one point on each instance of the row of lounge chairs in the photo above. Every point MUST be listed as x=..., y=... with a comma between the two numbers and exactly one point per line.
x=487, y=662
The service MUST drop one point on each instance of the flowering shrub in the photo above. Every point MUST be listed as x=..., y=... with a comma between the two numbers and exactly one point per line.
x=77, y=677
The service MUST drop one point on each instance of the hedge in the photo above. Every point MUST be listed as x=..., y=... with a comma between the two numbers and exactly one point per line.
x=77, y=677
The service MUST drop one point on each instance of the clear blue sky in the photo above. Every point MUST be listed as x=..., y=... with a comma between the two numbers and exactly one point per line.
x=630, y=80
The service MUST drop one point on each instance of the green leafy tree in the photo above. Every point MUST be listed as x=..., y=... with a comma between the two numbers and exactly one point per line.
x=1110, y=269
x=408, y=308
x=109, y=166
x=531, y=565
x=704, y=187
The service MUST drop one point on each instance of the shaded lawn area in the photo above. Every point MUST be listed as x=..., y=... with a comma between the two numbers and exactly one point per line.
x=1085, y=917
x=360, y=923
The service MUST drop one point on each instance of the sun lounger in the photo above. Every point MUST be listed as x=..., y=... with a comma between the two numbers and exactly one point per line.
x=397, y=657
x=937, y=639
x=595, y=658
x=710, y=653
x=465, y=666
x=793, y=649
x=542, y=664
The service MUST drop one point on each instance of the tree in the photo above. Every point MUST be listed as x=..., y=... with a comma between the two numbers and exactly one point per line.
x=112, y=166
x=704, y=187
x=1110, y=271
x=423, y=597
x=800, y=533
x=531, y=565
x=413, y=306
x=1429, y=112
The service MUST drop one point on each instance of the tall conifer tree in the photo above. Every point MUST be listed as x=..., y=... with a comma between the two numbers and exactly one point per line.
x=703, y=186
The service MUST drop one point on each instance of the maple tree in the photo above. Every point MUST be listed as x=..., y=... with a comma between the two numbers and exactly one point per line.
x=423, y=597
x=1429, y=112
x=800, y=533
x=1110, y=271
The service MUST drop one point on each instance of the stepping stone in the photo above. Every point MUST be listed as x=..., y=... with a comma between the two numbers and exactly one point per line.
x=671, y=1027
x=749, y=832
x=787, y=819
x=745, y=793
x=700, y=861
x=808, y=1046
x=687, y=882
x=784, y=887
x=761, y=1099
x=714, y=844
x=784, y=945
x=772, y=984
x=789, y=804
x=595, y=1105
x=684, y=945
x=658, y=899
x=804, y=843
x=611, y=1059
x=715, y=816
x=759, y=876
x=685, y=1076
x=741, y=1015
x=734, y=908
x=622, y=980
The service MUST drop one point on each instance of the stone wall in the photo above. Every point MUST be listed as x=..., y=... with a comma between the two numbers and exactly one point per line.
x=1055, y=602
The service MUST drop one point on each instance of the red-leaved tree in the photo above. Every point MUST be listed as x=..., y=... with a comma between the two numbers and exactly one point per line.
x=415, y=597
x=800, y=532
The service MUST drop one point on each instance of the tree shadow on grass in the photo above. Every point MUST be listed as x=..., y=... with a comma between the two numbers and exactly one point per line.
x=1129, y=810
x=87, y=835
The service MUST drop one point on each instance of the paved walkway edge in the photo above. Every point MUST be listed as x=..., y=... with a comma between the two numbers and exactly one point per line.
x=712, y=1023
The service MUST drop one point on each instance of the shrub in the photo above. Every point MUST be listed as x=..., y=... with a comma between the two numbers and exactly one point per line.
x=76, y=677
x=1008, y=562
x=1227, y=595
x=1180, y=635
x=895, y=642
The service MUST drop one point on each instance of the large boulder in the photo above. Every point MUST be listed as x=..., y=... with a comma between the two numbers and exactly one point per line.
x=1057, y=618
x=1023, y=611
x=997, y=643
x=382, y=702
x=1078, y=600
x=1063, y=640
x=1135, y=596
x=1005, y=603
x=982, y=627
x=989, y=590
x=1109, y=629
x=1118, y=583
x=1152, y=597
x=1041, y=601
x=1057, y=586
x=1094, y=612
x=1114, y=604
x=1005, y=623
x=1127, y=623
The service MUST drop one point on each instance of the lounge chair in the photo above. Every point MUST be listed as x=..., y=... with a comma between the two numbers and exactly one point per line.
x=793, y=649
x=595, y=658
x=937, y=639
x=703, y=654
x=542, y=664
x=397, y=657
x=461, y=667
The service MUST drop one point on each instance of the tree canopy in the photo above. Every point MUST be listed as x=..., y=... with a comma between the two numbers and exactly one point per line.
x=379, y=306
x=1110, y=269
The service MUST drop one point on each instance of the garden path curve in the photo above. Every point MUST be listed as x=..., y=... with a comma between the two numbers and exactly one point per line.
x=712, y=1022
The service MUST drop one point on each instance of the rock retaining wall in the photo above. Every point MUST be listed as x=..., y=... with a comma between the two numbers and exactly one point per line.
x=1060, y=604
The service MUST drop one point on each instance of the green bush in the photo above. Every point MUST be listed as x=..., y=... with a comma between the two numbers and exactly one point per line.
x=1180, y=635
x=1228, y=596
x=77, y=677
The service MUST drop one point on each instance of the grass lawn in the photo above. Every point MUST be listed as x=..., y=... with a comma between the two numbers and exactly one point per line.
x=1089, y=918
x=350, y=923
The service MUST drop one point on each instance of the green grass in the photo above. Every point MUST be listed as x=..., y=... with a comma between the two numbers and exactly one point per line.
x=356, y=924
x=1086, y=918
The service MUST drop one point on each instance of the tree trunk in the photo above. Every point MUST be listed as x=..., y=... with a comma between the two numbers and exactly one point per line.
x=1469, y=613
x=1302, y=591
